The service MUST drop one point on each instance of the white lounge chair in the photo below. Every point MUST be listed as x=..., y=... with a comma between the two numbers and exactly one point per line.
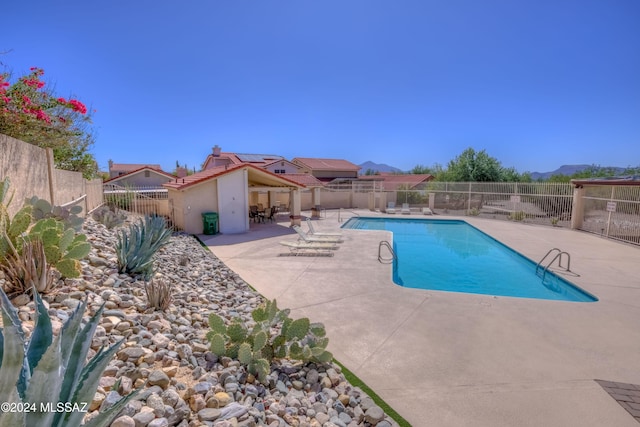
x=391, y=208
x=312, y=238
x=298, y=248
x=427, y=211
x=312, y=231
x=405, y=209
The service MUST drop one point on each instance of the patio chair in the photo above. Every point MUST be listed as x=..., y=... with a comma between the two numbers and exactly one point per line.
x=253, y=213
x=311, y=238
x=268, y=214
x=312, y=231
x=391, y=208
x=299, y=248
x=405, y=209
x=427, y=211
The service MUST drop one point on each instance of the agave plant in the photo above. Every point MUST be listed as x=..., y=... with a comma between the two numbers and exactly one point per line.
x=37, y=240
x=136, y=248
x=49, y=371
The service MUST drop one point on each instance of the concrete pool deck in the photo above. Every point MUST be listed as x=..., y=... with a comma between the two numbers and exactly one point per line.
x=456, y=359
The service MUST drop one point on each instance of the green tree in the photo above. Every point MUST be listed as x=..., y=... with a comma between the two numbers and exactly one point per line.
x=593, y=171
x=474, y=166
x=420, y=170
x=370, y=171
x=34, y=114
x=478, y=167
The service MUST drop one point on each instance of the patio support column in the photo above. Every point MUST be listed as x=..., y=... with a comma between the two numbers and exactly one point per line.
x=315, y=203
x=253, y=197
x=295, y=207
x=577, y=210
x=273, y=198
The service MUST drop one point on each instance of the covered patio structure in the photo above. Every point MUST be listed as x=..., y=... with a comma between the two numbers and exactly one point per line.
x=227, y=190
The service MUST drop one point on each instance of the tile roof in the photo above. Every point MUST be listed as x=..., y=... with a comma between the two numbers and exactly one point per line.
x=305, y=179
x=326, y=164
x=614, y=180
x=133, y=172
x=131, y=167
x=240, y=158
x=207, y=174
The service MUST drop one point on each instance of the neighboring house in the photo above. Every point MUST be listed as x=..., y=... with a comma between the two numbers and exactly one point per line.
x=327, y=169
x=142, y=177
x=282, y=167
x=219, y=158
x=227, y=190
x=309, y=181
x=119, y=169
x=393, y=182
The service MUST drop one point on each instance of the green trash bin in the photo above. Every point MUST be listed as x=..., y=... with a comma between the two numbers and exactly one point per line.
x=210, y=223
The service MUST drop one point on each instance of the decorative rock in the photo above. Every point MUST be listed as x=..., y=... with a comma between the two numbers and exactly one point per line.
x=112, y=398
x=124, y=421
x=196, y=403
x=322, y=418
x=209, y=414
x=202, y=387
x=184, y=351
x=374, y=415
x=144, y=417
x=160, y=340
x=171, y=371
x=166, y=352
x=223, y=399
x=131, y=353
x=98, y=398
x=333, y=376
x=233, y=410
x=156, y=403
x=21, y=300
x=159, y=422
x=171, y=398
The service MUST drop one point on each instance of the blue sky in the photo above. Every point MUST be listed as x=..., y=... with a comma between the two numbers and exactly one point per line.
x=537, y=84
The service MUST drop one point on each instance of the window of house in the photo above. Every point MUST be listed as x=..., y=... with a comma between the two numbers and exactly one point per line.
x=279, y=171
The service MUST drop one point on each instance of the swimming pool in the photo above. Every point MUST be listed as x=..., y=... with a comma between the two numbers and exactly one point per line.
x=452, y=255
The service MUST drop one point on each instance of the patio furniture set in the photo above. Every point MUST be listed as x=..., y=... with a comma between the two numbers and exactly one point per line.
x=312, y=242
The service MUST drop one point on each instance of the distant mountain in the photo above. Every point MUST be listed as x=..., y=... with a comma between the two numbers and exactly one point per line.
x=378, y=167
x=568, y=170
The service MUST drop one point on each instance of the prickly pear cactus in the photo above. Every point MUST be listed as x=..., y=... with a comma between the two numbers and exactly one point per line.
x=274, y=336
x=42, y=209
x=63, y=248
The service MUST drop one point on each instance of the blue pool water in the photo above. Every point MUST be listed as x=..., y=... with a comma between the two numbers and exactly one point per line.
x=451, y=255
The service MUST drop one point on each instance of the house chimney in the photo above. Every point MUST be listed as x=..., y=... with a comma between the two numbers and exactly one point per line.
x=216, y=150
x=181, y=172
x=110, y=165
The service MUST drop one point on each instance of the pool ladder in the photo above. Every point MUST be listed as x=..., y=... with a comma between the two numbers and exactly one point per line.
x=558, y=256
x=381, y=259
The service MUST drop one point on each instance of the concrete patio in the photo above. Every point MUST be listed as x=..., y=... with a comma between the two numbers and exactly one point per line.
x=455, y=359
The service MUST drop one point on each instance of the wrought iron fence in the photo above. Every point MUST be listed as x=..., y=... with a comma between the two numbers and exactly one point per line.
x=612, y=211
x=541, y=203
x=139, y=200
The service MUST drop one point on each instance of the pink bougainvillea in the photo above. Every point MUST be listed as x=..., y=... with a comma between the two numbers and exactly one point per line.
x=27, y=97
